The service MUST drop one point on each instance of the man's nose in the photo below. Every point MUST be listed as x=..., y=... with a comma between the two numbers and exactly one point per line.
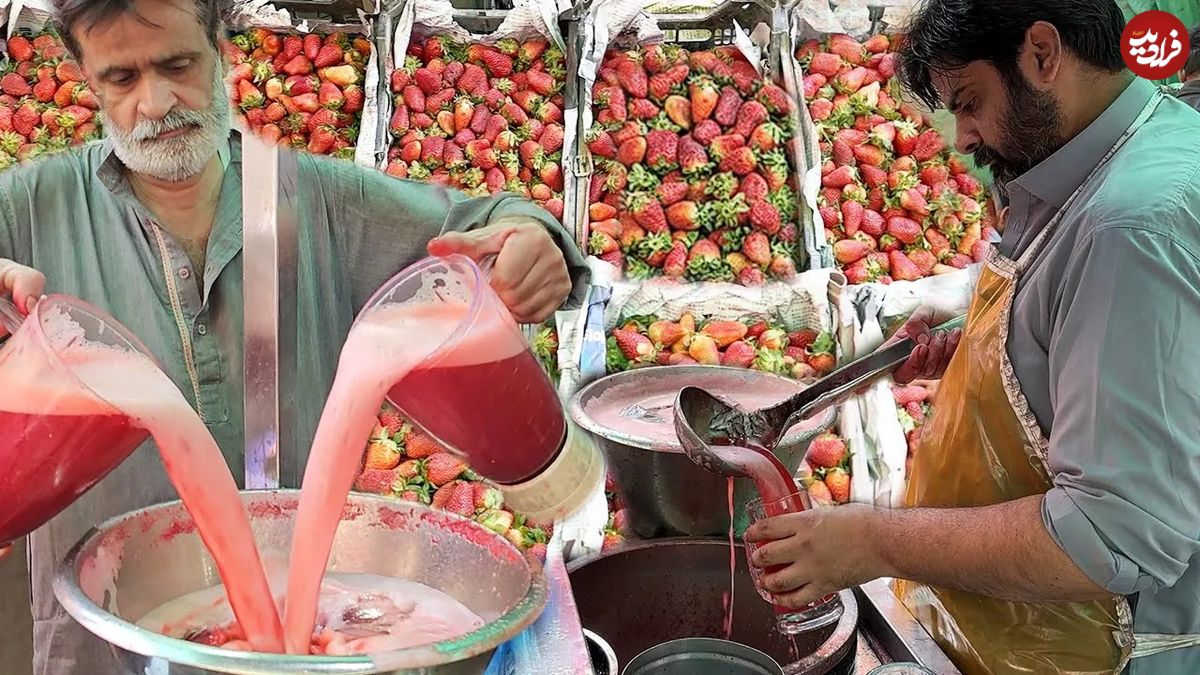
x=155, y=99
x=966, y=136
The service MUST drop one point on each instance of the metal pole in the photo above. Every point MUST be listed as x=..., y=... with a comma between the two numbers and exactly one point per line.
x=269, y=253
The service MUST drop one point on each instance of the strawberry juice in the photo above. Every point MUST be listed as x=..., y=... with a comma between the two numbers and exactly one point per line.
x=387, y=343
x=127, y=395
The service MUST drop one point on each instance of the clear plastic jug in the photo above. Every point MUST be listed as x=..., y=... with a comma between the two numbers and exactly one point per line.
x=483, y=395
x=58, y=438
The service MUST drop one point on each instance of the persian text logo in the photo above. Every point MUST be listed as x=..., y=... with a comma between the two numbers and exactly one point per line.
x=1155, y=45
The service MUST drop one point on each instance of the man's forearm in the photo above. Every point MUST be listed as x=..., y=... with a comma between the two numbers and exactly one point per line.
x=1001, y=551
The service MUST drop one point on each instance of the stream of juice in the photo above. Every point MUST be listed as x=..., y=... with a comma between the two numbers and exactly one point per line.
x=382, y=348
x=133, y=385
x=729, y=597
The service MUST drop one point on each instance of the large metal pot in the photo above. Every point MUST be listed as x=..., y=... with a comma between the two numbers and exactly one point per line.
x=651, y=592
x=665, y=492
x=138, y=561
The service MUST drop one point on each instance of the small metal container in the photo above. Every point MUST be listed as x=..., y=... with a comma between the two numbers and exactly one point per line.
x=702, y=656
x=604, y=659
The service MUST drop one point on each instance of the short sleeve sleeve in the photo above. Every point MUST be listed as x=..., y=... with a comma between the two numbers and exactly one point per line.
x=1125, y=444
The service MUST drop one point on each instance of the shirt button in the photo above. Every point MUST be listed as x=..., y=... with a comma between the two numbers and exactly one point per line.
x=184, y=273
x=202, y=329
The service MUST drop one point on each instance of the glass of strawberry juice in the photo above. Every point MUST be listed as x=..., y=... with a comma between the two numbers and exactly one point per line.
x=789, y=621
x=58, y=437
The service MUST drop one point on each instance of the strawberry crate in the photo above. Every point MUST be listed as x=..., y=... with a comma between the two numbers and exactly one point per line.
x=482, y=100
x=892, y=200
x=676, y=189
x=46, y=105
x=306, y=78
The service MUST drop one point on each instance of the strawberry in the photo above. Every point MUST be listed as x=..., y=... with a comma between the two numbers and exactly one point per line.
x=15, y=85
x=765, y=217
x=838, y=482
x=968, y=185
x=376, y=482
x=322, y=140
x=928, y=145
x=905, y=230
x=442, y=467
x=461, y=500
x=911, y=200
x=924, y=259
x=728, y=104
x=740, y=161
x=634, y=345
x=783, y=267
x=44, y=90
x=819, y=493
x=675, y=264
x=632, y=151
x=869, y=155
x=670, y=193
x=749, y=116
x=662, y=148
x=757, y=248
x=648, y=213
x=739, y=354
x=497, y=63
x=848, y=251
x=600, y=211
x=840, y=177
x=299, y=65
x=633, y=78
x=382, y=453
x=826, y=64
x=755, y=187
x=704, y=350
x=20, y=49
x=909, y=394
x=774, y=99
x=826, y=451
x=903, y=268
x=842, y=153
x=418, y=445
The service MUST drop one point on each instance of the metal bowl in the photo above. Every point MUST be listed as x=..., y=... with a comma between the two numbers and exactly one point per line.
x=650, y=592
x=702, y=656
x=604, y=659
x=665, y=493
x=136, y=562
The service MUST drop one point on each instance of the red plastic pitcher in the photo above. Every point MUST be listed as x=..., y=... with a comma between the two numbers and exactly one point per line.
x=58, y=438
x=483, y=395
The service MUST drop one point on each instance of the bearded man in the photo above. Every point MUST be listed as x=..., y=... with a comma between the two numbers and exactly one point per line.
x=148, y=226
x=1057, y=486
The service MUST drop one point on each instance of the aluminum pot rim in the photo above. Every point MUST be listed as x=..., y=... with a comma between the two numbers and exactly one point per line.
x=121, y=633
x=576, y=408
x=650, y=655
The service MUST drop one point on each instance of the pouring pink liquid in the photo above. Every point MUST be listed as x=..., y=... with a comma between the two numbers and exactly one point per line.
x=123, y=394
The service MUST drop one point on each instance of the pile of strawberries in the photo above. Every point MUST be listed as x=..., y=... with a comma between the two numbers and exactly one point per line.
x=300, y=91
x=896, y=205
x=482, y=118
x=805, y=355
x=913, y=408
x=692, y=175
x=825, y=472
x=45, y=104
x=402, y=462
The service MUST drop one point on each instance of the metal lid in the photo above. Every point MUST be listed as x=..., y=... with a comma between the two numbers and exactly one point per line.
x=635, y=407
x=702, y=656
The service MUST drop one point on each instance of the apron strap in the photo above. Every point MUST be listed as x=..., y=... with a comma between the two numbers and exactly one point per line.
x=1148, y=644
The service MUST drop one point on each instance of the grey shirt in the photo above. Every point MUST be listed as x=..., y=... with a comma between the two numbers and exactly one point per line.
x=1105, y=341
x=1189, y=93
x=74, y=217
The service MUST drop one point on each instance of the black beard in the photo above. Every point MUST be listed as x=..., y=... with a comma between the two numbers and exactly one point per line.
x=1029, y=132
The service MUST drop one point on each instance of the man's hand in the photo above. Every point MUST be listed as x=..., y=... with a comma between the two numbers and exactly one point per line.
x=930, y=357
x=825, y=550
x=530, y=274
x=24, y=284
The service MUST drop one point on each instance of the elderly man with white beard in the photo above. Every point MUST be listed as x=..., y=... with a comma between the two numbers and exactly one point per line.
x=148, y=226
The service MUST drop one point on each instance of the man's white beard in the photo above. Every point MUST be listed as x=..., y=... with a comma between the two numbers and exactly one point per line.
x=179, y=158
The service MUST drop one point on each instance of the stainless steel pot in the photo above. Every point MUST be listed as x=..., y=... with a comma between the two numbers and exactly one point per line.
x=666, y=494
x=138, y=561
x=702, y=656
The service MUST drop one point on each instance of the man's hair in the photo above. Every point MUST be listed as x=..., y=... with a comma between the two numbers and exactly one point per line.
x=1191, y=67
x=83, y=15
x=945, y=35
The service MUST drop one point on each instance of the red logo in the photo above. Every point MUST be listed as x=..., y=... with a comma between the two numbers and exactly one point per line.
x=1155, y=45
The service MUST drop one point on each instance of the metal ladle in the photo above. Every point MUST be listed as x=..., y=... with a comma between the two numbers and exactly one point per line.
x=703, y=420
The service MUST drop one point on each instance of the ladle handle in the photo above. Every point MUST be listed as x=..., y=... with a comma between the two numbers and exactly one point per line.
x=10, y=317
x=844, y=382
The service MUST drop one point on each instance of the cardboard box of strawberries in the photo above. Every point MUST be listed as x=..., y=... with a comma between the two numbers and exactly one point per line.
x=45, y=104
x=303, y=90
x=482, y=113
x=693, y=176
x=895, y=202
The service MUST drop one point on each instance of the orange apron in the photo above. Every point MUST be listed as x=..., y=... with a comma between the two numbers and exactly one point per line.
x=983, y=446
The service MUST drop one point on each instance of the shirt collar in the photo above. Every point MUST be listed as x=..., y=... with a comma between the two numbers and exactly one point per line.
x=1192, y=87
x=1057, y=177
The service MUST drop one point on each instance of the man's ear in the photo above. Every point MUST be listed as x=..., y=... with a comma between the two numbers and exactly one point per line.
x=1041, y=55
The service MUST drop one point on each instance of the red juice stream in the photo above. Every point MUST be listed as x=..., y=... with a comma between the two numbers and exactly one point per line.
x=729, y=598
x=117, y=383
